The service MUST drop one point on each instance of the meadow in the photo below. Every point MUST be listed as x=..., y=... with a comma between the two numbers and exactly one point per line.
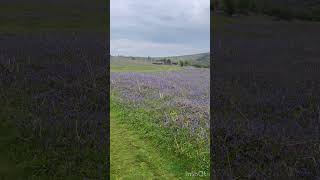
x=54, y=100
x=168, y=108
x=53, y=89
x=265, y=98
x=138, y=66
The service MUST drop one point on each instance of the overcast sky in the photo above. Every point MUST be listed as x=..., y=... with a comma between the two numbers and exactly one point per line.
x=159, y=28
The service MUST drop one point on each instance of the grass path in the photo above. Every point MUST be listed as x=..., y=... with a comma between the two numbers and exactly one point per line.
x=132, y=157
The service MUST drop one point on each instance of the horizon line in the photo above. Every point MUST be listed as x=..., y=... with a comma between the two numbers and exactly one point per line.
x=160, y=56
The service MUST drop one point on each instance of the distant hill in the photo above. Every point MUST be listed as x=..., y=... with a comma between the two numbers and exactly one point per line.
x=198, y=60
x=202, y=59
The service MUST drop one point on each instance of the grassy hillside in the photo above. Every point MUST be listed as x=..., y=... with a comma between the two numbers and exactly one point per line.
x=202, y=59
x=198, y=60
x=138, y=66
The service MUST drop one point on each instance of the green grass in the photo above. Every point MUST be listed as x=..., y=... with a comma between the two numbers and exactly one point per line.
x=196, y=60
x=139, y=66
x=133, y=157
x=176, y=153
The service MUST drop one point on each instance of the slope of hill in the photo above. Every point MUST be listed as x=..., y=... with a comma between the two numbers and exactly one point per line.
x=202, y=59
x=198, y=60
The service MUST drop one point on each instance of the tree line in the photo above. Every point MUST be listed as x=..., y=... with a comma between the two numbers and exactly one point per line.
x=273, y=8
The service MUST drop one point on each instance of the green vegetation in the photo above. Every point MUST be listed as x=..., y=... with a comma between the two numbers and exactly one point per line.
x=133, y=157
x=196, y=60
x=174, y=156
x=142, y=145
x=181, y=63
x=186, y=63
x=139, y=66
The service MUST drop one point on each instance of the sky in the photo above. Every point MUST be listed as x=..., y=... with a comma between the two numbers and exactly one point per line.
x=159, y=28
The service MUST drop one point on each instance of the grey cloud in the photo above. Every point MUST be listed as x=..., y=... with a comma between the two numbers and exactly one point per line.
x=153, y=27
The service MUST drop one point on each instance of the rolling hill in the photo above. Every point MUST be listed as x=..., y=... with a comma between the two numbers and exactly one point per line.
x=198, y=60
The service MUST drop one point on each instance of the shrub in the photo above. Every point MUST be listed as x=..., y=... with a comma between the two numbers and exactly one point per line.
x=181, y=63
x=168, y=61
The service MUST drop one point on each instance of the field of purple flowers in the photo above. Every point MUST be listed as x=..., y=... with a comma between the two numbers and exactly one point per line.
x=53, y=87
x=180, y=101
x=265, y=99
